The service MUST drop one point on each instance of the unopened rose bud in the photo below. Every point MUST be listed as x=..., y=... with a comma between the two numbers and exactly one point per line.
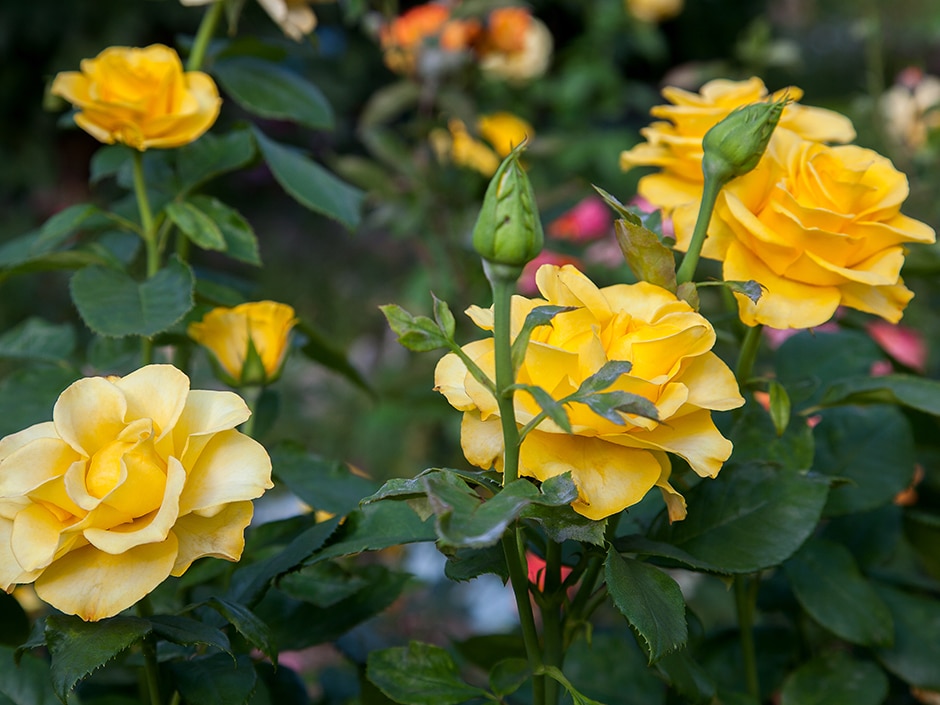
x=508, y=230
x=735, y=145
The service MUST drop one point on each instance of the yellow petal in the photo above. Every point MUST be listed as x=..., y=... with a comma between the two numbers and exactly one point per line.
x=885, y=301
x=33, y=464
x=205, y=414
x=90, y=414
x=35, y=537
x=155, y=392
x=95, y=585
x=482, y=441
x=711, y=384
x=220, y=536
x=231, y=468
x=11, y=572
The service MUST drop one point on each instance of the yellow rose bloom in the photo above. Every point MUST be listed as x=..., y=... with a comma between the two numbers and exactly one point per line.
x=654, y=10
x=230, y=335
x=674, y=143
x=133, y=479
x=140, y=97
x=818, y=227
x=504, y=131
x=613, y=466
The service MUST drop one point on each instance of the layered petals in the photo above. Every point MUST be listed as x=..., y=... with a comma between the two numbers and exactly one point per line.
x=134, y=479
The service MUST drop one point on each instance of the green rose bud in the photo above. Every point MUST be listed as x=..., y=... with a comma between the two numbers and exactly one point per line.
x=735, y=145
x=508, y=230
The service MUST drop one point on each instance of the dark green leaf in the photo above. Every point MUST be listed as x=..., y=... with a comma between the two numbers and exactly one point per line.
x=419, y=674
x=684, y=674
x=779, y=407
x=273, y=91
x=215, y=680
x=188, y=632
x=563, y=523
x=873, y=447
x=830, y=587
x=196, y=225
x=470, y=563
x=27, y=682
x=835, y=679
x=113, y=304
x=323, y=484
x=241, y=243
x=212, y=155
x=377, y=526
x=322, y=584
x=417, y=333
x=649, y=259
x=28, y=395
x=907, y=390
x=538, y=316
x=79, y=648
x=605, y=377
x=916, y=651
x=751, y=289
x=36, y=339
x=610, y=405
x=487, y=650
x=613, y=669
x=247, y=624
x=507, y=676
x=650, y=600
x=577, y=696
x=53, y=233
x=922, y=529
x=108, y=160
x=755, y=439
x=310, y=184
x=749, y=518
x=674, y=556
x=552, y=408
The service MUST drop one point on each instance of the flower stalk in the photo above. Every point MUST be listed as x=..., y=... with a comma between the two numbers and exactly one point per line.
x=210, y=21
x=149, y=235
x=686, y=271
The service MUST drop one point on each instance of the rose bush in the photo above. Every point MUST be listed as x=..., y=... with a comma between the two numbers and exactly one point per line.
x=248, y=342
x=132, y=480
x=140, y=97
x=613, y=466
x=817, y=227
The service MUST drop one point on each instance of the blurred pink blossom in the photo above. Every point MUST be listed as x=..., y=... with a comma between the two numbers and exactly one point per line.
x=526, y=283
x=535, y=566
x=589, y=220
x=904, y=344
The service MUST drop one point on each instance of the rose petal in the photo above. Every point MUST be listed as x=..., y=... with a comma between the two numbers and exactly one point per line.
x=232, y=468
x=220, y=536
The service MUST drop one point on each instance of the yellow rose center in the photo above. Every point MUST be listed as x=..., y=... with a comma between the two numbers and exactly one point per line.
x=131, y=475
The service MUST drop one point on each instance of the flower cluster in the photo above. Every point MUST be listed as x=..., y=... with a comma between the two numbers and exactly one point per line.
x=509, y=43
x=132, y=480
x=669, y=347
x=817, y=226
x=140, y=97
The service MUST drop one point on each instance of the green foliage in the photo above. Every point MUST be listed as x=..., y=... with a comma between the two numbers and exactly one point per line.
x=419, y=674
x=835, y=679
x=215, y=680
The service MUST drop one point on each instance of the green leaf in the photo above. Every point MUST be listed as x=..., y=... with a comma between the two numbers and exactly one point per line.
x=675, y=557
x=576, y=696
x=650, y=600
x=419, y=674
x=750, y=288
x=922, y=529
x=377, y=526
x=108, y=160
x=619, y=208
x=649, y=259
x=564, y=524
x=605, y=377
x=755, y=439
x=916, y=650
x=189, y=632
x=113, y=304
x=555, y=410
x=79, y=648
x=507, y=676
x=907, y=390
x=322, y=584
x=247, y=624
x=323, y=484
x=27, y=395
x=749, y=518
x=832, y=590
x=310, y=184
x=53, y=233
x=212, y=155
x=272, y=91
x=612, y=668
x=200, y=228
x=469, y=563
x=610, y=405
x=36, y=339
x=417, y=333
x=873, y=447
x=779, y=407
x=684, y=674
x=835, y=679
x=215, y=680
x=26, y=682
x=444, y=317
x=538, y=316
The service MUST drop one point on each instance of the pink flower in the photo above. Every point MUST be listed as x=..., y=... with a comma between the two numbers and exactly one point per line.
x=526, y=285
x=904, y=344
x=588, y=220
x=535, y=566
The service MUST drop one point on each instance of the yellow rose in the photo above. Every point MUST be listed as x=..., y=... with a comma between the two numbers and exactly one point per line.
x=140, y=97
x=132, y=480
x=249, y=342
x=613, y=466
x=654, y=10
x=675, y=143
x=818, y=227
x=504, y=131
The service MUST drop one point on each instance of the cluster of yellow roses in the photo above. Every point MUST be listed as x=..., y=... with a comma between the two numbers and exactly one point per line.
x=817, y=226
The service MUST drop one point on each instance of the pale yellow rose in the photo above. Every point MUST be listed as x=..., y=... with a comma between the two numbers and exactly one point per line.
x=140, y=97
x=294, y=17
x=230, y=335
x=818, y=227
x=674, y=143
x=133, y=479
x=613, y=466
x=654, y=10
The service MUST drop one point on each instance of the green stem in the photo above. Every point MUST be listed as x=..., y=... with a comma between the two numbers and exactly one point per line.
x=519, y=580
x=252, y=395
x=748, y=355
x=551, y=618
x=149, y=237
x=686, y=270
x=503, y=285
x=744, y=601
x=149, y=649
x=206, y=29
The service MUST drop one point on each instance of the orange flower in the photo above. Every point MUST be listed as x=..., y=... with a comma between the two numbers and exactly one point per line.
x=403, y=39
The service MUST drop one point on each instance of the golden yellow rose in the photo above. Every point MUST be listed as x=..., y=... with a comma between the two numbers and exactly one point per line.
x=818, y=227
x=613, y=466
x=132, y=480
x=674, y=143
x=248, y=342
x=654, y=10
x=503, y=131
x=140, y=97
